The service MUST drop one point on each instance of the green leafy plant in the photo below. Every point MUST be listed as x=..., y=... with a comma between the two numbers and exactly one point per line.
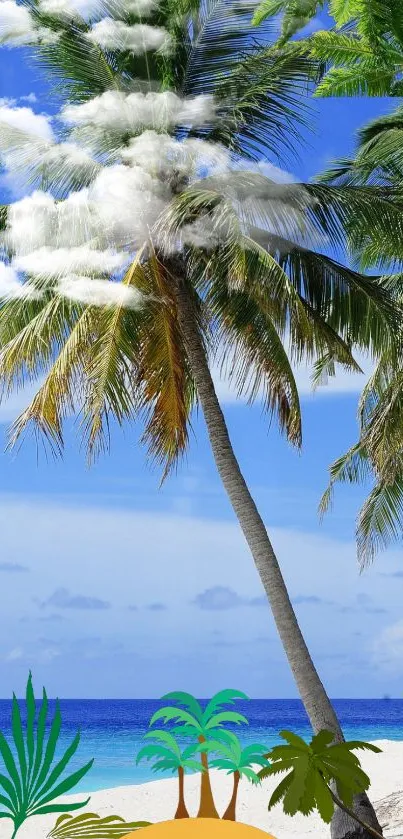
x=315, y=770
x=34, y=779
x=204, y=724
x=239, y=762
x=92, y=826
x=169, y=757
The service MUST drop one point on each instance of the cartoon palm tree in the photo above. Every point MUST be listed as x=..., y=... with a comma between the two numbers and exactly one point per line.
x=168, y=757
x=206, y=725
x=238, y=761
x=321, y=774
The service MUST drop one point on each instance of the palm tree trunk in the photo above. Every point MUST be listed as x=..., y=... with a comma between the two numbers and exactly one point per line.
x=207, y=808
x=345, y=809
x=230, y=812
x=181, y=812
x=316, y=702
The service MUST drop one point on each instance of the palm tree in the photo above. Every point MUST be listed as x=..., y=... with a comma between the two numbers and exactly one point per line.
x=238, y=762
x=205, y=724
x=225, y=266
x=314, y=770
x=168, y=757
x=296, y=14
x=365, y=51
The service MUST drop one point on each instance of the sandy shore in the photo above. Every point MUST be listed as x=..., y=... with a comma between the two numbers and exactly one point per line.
x=155, y=801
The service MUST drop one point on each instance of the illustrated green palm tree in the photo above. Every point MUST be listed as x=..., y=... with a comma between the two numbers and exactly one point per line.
x=33, y=775
x=168, y=757
x=205, y=724
x=231, y=270
x=240, y=763
x=314, y=771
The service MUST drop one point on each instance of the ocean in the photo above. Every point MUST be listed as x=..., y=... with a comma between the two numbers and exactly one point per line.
x=112, y=730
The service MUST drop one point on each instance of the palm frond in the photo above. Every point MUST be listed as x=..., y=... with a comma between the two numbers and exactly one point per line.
x=112, y=367
x=223, y=697
x=59, y=394
x=263, y=103
x=164, y=380
x=252, y=354
x=344, y=11
x=90, y=825
x=380, y=521
x=351, y=467
x=339, y=48
x=368, y=81
x=34, y=778
x=295, y=14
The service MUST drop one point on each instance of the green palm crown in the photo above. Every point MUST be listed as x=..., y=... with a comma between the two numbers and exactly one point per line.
x=162, y=177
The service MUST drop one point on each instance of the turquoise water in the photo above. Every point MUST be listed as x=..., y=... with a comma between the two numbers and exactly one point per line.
x=112, y=730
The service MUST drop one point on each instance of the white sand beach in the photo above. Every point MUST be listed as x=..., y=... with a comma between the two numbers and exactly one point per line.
x=156, y=801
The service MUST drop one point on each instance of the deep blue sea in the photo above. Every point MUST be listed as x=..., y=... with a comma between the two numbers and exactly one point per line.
x=112, y=730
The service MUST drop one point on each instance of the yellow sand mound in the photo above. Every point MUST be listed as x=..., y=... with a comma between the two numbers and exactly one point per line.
x=199, y=829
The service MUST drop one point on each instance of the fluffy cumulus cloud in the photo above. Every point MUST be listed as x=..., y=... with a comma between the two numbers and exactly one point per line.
x=119, y=209
x=24, y=120
x=11, y=286
x=54, y=262
x=90, y=9
x=127, y=202
x=208, y=231
x=138, y=38
x=97, y=292
x=70, y=8
x=29, y=150
x=161, y=154
x=18, y=28
x=120, y=112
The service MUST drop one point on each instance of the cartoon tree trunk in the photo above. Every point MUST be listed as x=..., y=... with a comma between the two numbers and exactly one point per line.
x=181, y=812
x=230, y=812
x=207, y=808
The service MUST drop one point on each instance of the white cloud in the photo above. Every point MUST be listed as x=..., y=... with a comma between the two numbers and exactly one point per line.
x=119, y=209
x=207, y=232
x=54, y=262
x=30, y=97
x=96, y=556
x=137, y=38
x=28, y=153
x=70, y=8
x=10, y=285
x=99, y=292
x=159, y=153
x=18, y=28
x=90, y=9
x=127, y=204
x=16, y=24
x=120, y=112
x=24, y=119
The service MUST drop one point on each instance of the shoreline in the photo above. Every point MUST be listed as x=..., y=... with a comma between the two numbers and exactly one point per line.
x=155, y=801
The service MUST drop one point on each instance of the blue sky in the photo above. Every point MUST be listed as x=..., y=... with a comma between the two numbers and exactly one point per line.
x=114, y=587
